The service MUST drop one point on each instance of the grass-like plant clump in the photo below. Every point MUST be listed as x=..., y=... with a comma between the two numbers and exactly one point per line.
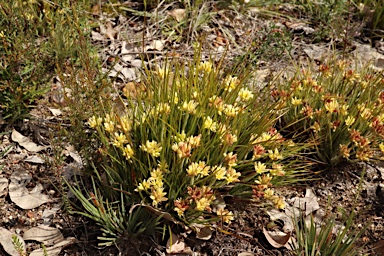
x=191, y=138
x=339, y=109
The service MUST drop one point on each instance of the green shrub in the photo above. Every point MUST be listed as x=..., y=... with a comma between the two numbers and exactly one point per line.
x=338, y=109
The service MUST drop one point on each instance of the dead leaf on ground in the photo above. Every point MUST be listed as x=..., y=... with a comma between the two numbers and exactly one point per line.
x=177, y=14
x=309, y=203
x=20, y=195
x=44, y=234
x=6, y=242
x=175, y=245
x=55, y=249
x=157, y=45
x=277, y=239
x=34, y=160
x=203, y=232
x=25, y=142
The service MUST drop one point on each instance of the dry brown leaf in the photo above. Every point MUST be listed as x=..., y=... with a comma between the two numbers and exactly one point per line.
x=55, y=249
x=177, y=14
x=277, y=239
x=175, y=245
x=25, y=142
x=6, y=242
x=308, y=203
x=110, y=32
x=20, y=195
x=44, y=234
x=203, y=232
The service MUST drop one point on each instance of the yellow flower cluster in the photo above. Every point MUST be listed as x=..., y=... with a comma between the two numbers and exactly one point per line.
x=155, y=185
x=184, y=148
x=152, y=147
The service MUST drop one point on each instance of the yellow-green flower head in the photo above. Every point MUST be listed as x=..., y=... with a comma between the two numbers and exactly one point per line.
x=205, y=66
x=190, y=106
x=274, y=155
x=268, y=193
x=120, y=140
x=230, y=83
x=202, y=204
x=200, y=168
x=349, y=121
x=158, y=196
x=230, y=159
x=95, y=121
x=295, y=101
x=209, y=124
x=128, y=152
x=219, y=172
x=230, y=110
x=332, y=105
x=232, y=176
x=163, y=108
x=152, y=147
x=144, y=186
x=226, y=216
x=260, y=167
x=245, y=94
x=125, y=123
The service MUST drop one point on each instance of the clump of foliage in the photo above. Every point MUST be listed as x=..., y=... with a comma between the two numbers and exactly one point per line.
x=338, y=109
x=192, y=137
x=24, y=65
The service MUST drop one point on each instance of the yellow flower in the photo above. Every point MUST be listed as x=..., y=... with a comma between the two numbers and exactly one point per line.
x=274, y=155
x=195, y=169
x=332, y=106
x=157, y=196
x=163, y=108
x=277, y=170
x=162, y=72
x=344, y=151
x=209, y=124
x=205, y=66
x=229, y=139
x=128, y=152
x=230, y=159
x=230, y=83
x=202, y=204
x=182, y=149
x=344, y=110
x=268, y=193
x=119, y=140
x=226, y=216
x=260, y=167
x=232, y=176
x=219, y=172
x=180, y=136
x=230, y=110
x=366, y=113
x=264, y=181
x=349, y=121
x=152, y=147
x=109, y=126
x=295, y=101
x=126, y=123
x=157, y=174
x=194, y=141
x=190, y=106
x=145, y=185
x=95, y=121
x=381, y=146
x=316, y=127
x=279, y=203
x=245, y=94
